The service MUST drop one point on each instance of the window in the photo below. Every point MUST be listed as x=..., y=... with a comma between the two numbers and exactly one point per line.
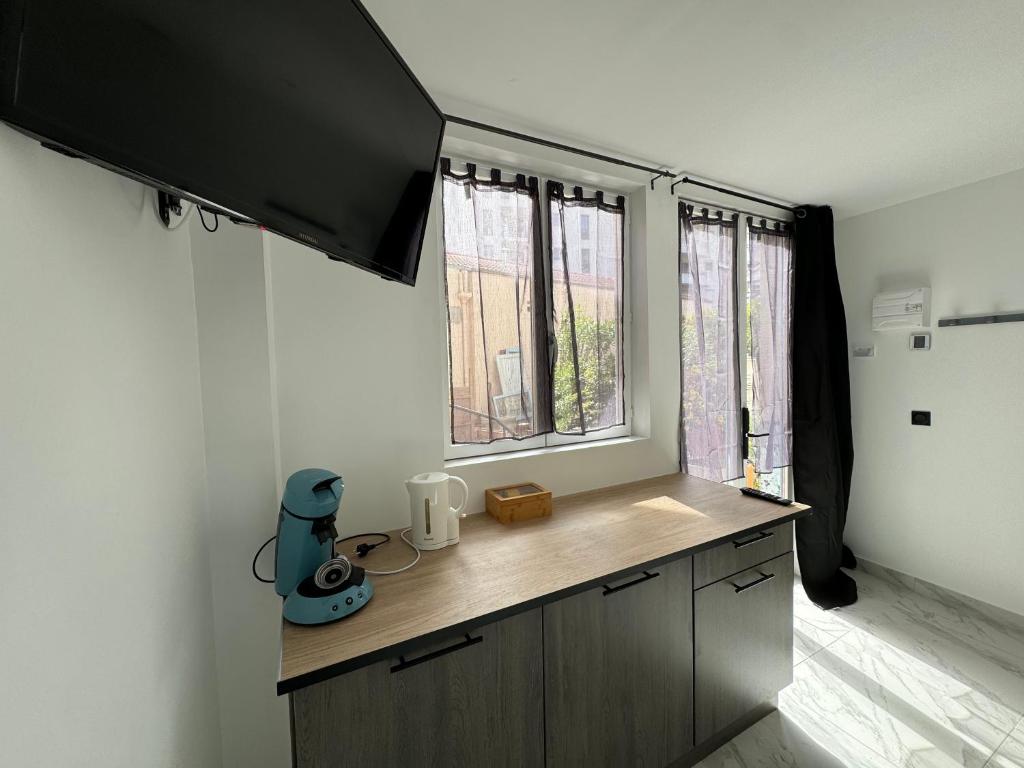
x=585, y=261
x=735, y=286
x=536, y=338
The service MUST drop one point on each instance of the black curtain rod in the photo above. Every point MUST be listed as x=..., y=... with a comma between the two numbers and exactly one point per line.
x=658, y=172
x=718, y=205
x=796, y=211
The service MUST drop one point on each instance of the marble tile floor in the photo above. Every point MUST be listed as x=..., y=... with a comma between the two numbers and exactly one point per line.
x=900, y=679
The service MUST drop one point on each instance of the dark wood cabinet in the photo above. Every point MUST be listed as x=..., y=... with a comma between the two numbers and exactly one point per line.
x=618, y=668
x=744, y=643
x=472, y=700
x=635, y=672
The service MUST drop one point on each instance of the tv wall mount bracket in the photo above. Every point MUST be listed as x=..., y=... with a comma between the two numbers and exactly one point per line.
x=167, y=204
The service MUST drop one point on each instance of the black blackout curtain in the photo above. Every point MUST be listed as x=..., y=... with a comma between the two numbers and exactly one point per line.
x=822, y=433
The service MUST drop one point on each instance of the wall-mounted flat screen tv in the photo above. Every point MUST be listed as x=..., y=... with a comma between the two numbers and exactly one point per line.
x=298, y=116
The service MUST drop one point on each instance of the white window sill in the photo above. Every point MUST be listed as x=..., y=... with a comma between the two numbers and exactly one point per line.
x=589, y=445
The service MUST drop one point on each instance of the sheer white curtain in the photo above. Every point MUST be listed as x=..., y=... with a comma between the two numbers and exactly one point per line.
x=586, y=278
x=770, y=295
x=710, y=440
x=494, y=284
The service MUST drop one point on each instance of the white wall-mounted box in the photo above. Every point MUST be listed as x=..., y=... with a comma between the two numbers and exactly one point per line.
x=899, y=310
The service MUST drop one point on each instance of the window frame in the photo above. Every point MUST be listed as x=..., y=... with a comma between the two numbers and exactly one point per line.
x=455, y=451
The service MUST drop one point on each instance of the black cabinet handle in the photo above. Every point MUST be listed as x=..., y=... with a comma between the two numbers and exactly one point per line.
x=761, y=536
x=764, y=577
x=646, y=577
x=746, y=433
x=744, y=428
x=403, y=664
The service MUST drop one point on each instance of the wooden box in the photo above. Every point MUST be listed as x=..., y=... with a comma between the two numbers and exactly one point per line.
x=520, y=501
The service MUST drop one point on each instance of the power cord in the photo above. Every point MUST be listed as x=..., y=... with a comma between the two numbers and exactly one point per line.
x=216, y=220
x=402, y=536
x=364, y=548
x=361, y=550
x=257, y=557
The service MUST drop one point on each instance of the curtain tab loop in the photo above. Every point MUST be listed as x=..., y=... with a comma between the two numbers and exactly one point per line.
x=446, y=165
x=495, y=176
x=577, y=192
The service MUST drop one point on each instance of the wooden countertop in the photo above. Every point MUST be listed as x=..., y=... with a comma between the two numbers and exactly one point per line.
x=498, y=570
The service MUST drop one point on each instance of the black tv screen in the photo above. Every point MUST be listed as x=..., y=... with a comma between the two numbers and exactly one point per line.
x=300, y=117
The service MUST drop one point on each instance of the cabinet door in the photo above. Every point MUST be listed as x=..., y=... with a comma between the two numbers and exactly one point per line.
x=471, y=701
x=744, y=643
x=618, y=671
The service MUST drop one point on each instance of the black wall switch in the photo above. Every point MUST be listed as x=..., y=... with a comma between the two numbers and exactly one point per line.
x=921, y=418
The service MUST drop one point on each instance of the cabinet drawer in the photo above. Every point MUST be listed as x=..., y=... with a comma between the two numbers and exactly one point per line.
x=742, y=553
x=743, y=628
x=471, y=700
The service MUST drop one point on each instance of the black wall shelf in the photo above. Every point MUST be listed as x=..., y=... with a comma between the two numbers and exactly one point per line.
x=1001, y=317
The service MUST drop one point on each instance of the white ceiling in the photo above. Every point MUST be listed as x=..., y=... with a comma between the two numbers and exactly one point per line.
x=857, y=104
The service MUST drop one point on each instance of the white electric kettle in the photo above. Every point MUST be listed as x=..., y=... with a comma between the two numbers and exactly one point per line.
x=435, y=523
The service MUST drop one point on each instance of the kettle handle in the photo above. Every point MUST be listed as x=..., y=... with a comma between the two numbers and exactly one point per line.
x=465, y=493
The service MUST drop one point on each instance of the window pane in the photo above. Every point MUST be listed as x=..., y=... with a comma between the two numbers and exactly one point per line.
x=587, y=275
x=494, y=321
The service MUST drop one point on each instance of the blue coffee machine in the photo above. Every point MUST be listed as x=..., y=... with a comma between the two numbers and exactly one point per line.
x=318, y=586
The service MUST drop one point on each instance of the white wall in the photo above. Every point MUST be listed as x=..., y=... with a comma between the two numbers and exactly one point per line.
x=107, y=638
x=946, y=502
x=242, y=471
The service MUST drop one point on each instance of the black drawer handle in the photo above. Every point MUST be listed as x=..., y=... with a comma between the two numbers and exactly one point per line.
x=761, y=536
x=403, y=664
x=764, y=577
x=646, y=577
